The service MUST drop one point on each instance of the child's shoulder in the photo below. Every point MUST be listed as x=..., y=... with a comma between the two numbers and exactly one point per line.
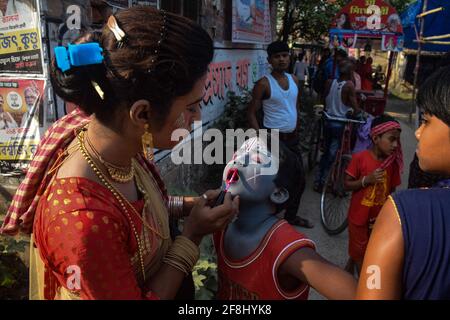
x=361, y=155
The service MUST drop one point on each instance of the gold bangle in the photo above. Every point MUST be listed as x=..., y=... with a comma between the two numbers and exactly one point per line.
x=182, y=255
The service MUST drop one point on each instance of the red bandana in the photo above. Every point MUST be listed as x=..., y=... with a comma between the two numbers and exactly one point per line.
x=397, y=155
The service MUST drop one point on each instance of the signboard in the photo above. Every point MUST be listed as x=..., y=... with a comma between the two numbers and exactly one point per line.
x=251, y=21
x=367, y=23
x=20, y=40
x=373, y=15
x=21, y=115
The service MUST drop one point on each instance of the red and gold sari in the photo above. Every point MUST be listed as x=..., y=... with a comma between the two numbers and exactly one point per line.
x=83, y=245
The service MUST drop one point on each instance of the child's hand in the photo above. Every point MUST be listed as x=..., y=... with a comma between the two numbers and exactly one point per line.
x=375, y=177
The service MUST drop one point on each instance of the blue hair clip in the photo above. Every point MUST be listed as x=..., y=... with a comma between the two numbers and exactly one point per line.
x=77, y=55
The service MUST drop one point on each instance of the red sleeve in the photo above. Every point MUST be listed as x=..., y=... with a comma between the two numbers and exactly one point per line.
x=353, y=168
x=96, y=244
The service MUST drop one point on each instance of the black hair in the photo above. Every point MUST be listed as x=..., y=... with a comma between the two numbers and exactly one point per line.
x=434, y=95
x=277, y=47
x=341, y=53
x=133, y=71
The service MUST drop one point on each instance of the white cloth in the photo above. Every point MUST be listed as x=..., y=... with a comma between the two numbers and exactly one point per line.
x=7, y=121
x=301, y=70
x=25, y=10
x=280, y=110
x=334, y=104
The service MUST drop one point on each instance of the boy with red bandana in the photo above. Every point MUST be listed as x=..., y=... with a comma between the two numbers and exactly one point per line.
x=372, y=175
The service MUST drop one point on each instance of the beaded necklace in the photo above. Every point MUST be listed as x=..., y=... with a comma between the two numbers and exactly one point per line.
x=119, y=198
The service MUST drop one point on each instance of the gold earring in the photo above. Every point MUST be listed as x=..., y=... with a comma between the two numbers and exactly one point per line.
x=147, y=143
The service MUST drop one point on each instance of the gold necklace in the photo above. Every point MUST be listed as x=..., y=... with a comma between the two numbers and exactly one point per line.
x=123, y=197
x=117, y=173
x=111, y=188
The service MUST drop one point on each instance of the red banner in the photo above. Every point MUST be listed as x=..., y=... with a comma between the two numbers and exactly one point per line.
x=373, y=15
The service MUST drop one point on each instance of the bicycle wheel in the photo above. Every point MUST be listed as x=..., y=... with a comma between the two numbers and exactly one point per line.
x=313, y=153
x=335, y=201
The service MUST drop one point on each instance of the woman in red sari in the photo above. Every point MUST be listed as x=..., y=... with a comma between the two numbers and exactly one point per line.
x=96, y=207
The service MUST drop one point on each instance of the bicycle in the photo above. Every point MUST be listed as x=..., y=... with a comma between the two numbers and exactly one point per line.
x=316, y=137
x=335, y=200
x=310, y=134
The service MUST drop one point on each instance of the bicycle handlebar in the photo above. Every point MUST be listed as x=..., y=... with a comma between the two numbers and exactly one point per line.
x=341, y=119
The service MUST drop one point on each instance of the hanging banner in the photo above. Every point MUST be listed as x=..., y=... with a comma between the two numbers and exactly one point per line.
x=20, y=40
x=251, y=21
x=373, y=15
x=21, y=116
x=392, y=43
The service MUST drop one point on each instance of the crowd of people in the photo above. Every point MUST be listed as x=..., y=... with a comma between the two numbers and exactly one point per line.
x=98, y=211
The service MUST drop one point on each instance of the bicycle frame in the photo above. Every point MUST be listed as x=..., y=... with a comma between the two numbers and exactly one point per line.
x=344, y=150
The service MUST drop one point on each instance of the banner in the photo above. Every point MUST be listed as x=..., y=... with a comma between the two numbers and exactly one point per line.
x=392, y=43
x=251, y=21
x=21, y=116
x=374, y=15
x=20, y=40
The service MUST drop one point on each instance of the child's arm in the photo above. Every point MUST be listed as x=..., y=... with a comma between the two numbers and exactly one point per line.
x=329, y=280
x=353, y=184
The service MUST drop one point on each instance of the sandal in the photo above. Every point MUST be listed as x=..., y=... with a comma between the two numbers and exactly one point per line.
x=301, y=222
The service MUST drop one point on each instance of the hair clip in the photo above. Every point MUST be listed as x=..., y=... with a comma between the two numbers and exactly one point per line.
x=98, y=89
x=162, y=34
x=77, y=55
x=119, y=34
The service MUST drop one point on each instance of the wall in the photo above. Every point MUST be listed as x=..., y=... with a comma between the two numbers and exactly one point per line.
x=235, y=67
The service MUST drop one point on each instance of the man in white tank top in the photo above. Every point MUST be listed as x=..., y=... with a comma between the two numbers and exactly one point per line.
x=340, y=99
x=278, y=97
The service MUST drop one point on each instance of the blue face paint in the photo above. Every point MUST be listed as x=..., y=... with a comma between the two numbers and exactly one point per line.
x=77, y=55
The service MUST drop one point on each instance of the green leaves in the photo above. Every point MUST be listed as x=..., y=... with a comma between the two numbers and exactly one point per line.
x=13, y=272
x=205, y=271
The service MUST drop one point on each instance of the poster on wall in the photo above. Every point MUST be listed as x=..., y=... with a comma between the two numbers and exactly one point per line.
x=20, y=40
x=251, y=21
x=392, y=43
x=21, y=116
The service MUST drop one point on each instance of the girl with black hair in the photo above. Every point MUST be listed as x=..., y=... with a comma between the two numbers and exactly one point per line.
x=93, y=199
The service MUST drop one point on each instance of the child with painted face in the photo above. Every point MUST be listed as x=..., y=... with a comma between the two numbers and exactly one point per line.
x=259, y=255
x=372, y=175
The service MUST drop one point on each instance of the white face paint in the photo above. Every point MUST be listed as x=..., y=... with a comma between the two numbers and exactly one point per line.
x=249, y=160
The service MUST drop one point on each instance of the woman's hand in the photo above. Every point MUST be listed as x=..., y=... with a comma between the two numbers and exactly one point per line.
x=204, y=219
